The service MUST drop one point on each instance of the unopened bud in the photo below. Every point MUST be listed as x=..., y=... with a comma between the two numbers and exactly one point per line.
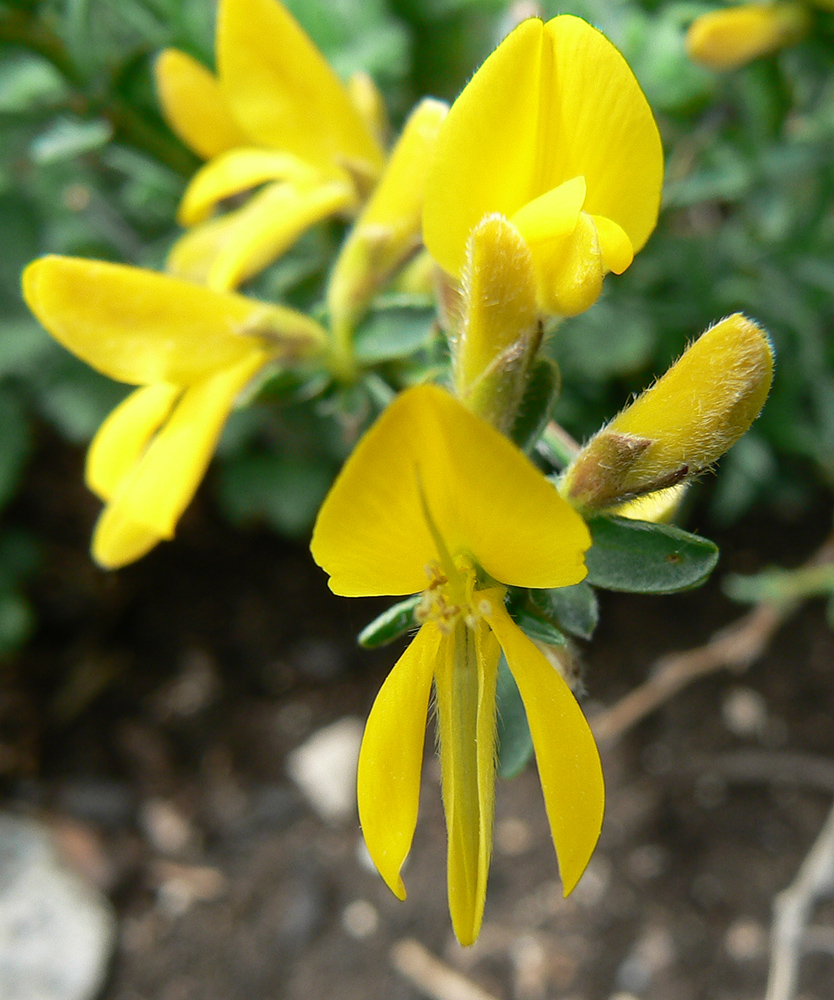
x=729, y=38
x=682, y=424
x=500, y=329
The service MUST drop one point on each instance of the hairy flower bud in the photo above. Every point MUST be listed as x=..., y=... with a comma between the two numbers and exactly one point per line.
x=682, y=424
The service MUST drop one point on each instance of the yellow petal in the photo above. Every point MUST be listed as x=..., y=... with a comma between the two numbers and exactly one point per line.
x=118, y=541
x=486, y=498
x=465, y=680
x=659, y=507
x=124, y=435
x=141, y=327
x=233, y=172
x=727, y=39
x=160, y=485
x=552, y=215
x=566, y=754
x=569, y=271
x=228, y=250
x=388, y=228
x=596, y=122
x=552, y=103
x=195, y=106
x=370, y=104
x=391, y=758
x=614, y=245
x=282, y=90
x=484, y=160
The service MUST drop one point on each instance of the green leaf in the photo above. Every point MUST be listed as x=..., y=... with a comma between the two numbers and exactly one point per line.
x=28, y=82
x=574, y=609
x=17, y=621
x=515, y=744
x=397, y=329
x=536, y=624
x=285, y=492
x=541, y=393
x=643, y=558
x=15, y=444
x=69, y=137
x=391, y=624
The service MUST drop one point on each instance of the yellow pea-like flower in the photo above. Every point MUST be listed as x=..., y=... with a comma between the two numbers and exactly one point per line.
x=191, y=351
x=435, y=500
x=276, y=115
x=677, y=428
x=554, y=133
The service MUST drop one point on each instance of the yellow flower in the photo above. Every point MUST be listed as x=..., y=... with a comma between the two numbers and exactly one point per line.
x=434, y=499
x=729, y=38
x=192, y=351
x=554, y=133
x=276, y=115
x=686, y=421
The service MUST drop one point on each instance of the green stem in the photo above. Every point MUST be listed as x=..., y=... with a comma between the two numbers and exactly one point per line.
x=557, y=446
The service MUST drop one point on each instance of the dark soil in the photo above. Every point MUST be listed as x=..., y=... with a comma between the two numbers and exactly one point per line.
x=149, y=721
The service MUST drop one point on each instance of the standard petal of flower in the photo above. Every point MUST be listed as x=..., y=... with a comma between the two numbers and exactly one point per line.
x=284, y=93
x=160, y=486
x=235, y=171
x=485, y=496
x=552, y=103
x=124, y=435
x=485, y=157
x=466, y=674
x=388, y=228
x=195, y=106
x=141, y=327
x=566, y=754
x=391, y=758
x=596, y=122
x=118, y=541
x=226, y=251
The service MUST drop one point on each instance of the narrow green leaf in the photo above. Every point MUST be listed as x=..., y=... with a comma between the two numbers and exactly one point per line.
x=391, y=624
x=539, y=397
x=643, y=558
x=574, y=609
x=515, y=745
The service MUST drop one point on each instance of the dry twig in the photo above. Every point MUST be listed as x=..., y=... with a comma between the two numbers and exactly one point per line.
x=792, y=909
x=735, y=647
x=431, y=976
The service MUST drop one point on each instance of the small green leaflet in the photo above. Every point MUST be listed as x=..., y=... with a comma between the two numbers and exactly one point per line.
x=643, y=558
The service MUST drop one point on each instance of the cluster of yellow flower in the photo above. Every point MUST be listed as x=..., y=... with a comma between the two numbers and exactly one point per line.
x=543, y=176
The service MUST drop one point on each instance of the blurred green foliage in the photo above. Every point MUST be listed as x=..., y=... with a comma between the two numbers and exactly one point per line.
x=88, y=167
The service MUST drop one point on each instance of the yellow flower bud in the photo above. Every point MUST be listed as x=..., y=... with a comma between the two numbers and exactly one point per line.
x=500, y=329
x=729, y=38
x=682, y=424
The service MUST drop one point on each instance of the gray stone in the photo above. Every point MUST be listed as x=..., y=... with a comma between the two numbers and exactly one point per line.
x=56, y=931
